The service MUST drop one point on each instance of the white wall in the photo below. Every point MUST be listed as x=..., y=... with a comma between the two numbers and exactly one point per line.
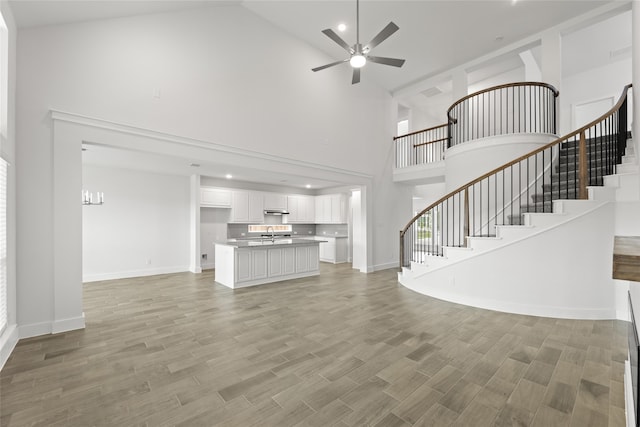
x=598, y=83
x=142, y=228
x=561, y=285
x=468, y=161
x=425, y=195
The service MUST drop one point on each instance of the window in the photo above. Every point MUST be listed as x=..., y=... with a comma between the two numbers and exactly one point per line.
x=403, y=127
x=3, y=244
x=265, y=228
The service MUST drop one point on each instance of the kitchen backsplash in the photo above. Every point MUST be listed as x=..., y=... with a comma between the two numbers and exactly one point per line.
x=332, y=229
x=235, y=231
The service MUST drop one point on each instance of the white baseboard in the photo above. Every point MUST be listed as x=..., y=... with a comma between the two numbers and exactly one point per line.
x=8, y=341
x=510, y=306
x=35, y=329
x=133, y=273
x=54, y=327
x=65, y=325
x=386, y=266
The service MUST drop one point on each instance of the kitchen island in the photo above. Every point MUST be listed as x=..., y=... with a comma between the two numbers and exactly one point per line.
x=255, y=262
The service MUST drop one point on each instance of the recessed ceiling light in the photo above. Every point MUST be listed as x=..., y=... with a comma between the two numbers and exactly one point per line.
x=342, y=28
x=228, y=176
x=308, y=185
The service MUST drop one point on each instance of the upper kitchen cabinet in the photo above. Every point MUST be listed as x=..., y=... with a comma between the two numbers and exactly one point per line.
x=331, y=209
x=275, y=201
x=215, y=197
x=301, y=209
x=247, y=206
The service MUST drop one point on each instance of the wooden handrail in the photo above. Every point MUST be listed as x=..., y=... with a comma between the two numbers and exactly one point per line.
x=504, y=86
x=420, y=131
x=557, y=141
x=430, y=142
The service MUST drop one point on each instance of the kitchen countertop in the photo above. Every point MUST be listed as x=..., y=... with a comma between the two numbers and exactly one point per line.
x=268, y=242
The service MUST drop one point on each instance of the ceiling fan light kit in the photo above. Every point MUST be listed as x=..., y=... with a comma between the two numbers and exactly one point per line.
x=358, y=54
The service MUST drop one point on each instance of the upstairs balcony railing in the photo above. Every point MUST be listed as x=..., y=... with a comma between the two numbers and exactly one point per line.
x=561, y=169
x=527, y=107
x=421, y=147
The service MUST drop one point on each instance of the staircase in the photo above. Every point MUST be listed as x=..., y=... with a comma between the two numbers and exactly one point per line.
x=541, y=246
x=563, y=184
x=546, y=266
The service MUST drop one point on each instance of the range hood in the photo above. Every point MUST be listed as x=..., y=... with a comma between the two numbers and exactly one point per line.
x=276, y=212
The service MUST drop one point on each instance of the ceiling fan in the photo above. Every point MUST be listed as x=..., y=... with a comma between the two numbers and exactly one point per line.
x=359, y=54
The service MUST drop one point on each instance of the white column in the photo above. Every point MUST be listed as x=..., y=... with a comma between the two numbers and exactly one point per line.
x=67, y=230
x=551, y=58
x=532, y=71
x=551, y=69
x=358, y=243
x=459, y=84
x=194, y=224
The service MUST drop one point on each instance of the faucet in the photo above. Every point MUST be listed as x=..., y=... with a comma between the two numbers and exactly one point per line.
x=273, y=235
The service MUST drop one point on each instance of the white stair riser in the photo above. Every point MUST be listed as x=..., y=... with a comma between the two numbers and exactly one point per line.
x=543, y=219
x=484, y=243
x=512, y=232
x=455, y=254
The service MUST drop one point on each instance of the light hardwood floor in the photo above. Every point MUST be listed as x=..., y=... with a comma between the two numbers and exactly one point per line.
x=343, y=349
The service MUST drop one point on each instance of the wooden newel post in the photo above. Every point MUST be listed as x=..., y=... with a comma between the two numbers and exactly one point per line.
x=401, y=249
x=583, y=175
x=466, y=214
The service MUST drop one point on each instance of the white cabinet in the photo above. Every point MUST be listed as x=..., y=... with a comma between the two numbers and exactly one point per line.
x=288, y=261
x=323, y=209
x=331, y=209
x=302, y=259
x=259, y=263
x=301, y=209
x=338, y=209
x=250, y=266
x=243, y=265
x=256, y=207
x=275, y=201
x=281, y=262
x=327, y=249
x=247, y=206
x=314, y=262
x=335, y=249
x=275, y=262
x=215, y=197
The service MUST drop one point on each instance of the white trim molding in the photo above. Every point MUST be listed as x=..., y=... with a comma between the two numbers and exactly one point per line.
x=8, y=340
x=219, y=149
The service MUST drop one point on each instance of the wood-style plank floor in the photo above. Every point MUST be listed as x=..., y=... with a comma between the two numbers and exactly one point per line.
x=342, y=349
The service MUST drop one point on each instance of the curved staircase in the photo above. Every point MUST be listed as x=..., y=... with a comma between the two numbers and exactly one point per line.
x=545, y=248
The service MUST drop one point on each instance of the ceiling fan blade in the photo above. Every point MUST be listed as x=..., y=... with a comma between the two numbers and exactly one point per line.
x=356, y=76
x=382, y=36
x=336, y=38
x=386, y=61
x=328, y=65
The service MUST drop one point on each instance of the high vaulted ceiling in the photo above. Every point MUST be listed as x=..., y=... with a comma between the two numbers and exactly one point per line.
x=434, y=35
